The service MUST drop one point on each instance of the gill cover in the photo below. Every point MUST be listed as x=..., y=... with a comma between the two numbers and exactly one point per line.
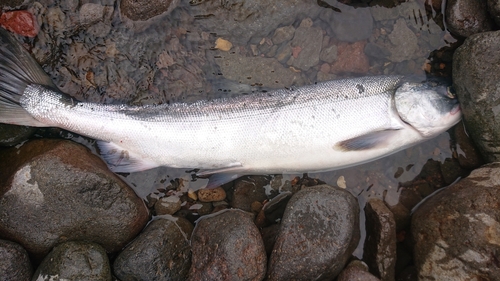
x=428, y=107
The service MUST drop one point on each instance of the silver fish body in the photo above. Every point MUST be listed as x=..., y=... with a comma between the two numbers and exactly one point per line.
x=319, y=127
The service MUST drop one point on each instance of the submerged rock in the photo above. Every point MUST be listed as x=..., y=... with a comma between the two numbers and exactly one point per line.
x=457, y=232
x=54, y=191
x=319, y=232
x=476, y=72
x=160, y=252
x=141, y=10
x=12, y=134
x=227, y=246
x=15, y=263
x=75, y=260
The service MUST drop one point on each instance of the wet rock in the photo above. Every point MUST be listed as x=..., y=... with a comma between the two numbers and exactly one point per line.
x=247, y=191
x=211, y=195
x=141, y=10
x=12, y=134
x=167, y=205
x=269, y=235
x=319, y=219
x=494, y=10
x=351, y=58
x=254, y=19
x=467, y=17
x=160, y=252
x=227, y=246
x=402, y=216
x=202, y=208
x=458, y=229
x=20, y=22
x=54, y=191
x=75, y=260
x=467, y=154
x=329, y=55
x=376, y=51
x=356, y=270
x=283, y=34
x=15, y=263
x=351, y=24
x=380, y=244
x=307, y=40
x=267, y=72
x=403, y=42
x=451, y=170
x=476, y=70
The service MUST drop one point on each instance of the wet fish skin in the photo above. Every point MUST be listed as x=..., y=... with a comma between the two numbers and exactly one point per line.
x=320, y=127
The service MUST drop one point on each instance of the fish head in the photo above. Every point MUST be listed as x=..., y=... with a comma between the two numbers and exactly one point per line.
x=429, y=107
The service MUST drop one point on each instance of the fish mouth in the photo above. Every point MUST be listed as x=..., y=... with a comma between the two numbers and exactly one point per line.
x=456, y=109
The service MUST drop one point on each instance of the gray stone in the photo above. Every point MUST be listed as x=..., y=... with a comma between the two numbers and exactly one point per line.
x=309, y=40
x=476, y=72
x=267, y=72
x=91, y=13
x=227, y=246
x=457, y=233
x=160, y=252
x=404, y=42
x=167, y=205
x=15, y=263
x=53, y=191
x=356, y=270
x=467, y=17
x=349, y=25
x=328, y=54
x=75, y=260
x=12, y=134
x=380, y=243
x=283, y=34
x=319, y=232
x=141, y=10
x=253, y=19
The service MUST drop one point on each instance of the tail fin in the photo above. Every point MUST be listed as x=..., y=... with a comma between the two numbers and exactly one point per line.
x=17, y=70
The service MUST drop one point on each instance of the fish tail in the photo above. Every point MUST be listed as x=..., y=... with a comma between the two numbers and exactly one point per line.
x=18, y=69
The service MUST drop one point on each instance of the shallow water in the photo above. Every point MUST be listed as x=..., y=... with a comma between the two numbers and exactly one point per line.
x=172, y=58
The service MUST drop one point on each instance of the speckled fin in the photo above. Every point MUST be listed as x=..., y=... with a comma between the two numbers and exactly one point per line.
x=120, y=160
x=377, y=139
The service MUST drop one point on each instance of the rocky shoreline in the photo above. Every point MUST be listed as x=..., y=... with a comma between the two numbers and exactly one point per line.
x=64, y=215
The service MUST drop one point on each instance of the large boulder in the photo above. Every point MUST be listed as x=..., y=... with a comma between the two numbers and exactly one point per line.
x=53, y=191
x=476, y=72
x=457, y=231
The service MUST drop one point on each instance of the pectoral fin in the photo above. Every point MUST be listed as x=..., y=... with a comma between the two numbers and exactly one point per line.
x=373, y=140
x=121, y=160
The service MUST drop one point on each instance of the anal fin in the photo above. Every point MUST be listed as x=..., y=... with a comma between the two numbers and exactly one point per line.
x=121, y=160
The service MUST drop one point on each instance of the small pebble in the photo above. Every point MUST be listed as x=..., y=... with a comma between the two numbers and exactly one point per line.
x=211, y=195
x=223, y=44
x=167, y=205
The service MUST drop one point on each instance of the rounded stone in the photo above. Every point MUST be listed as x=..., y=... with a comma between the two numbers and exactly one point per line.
x=319, y=232
x=160, y=252
x=75, y=260
x=211, y=195
x=227, y=246
x=458, y=228
x=15, y=263
x=53, y=191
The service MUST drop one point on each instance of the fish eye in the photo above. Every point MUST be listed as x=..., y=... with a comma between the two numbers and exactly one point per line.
x=450, y=92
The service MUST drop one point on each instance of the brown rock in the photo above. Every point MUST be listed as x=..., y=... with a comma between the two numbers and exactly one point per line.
x=351, y=58
x=141, y=10
x=211, y=195
x=380, y=244
x=227, y=246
